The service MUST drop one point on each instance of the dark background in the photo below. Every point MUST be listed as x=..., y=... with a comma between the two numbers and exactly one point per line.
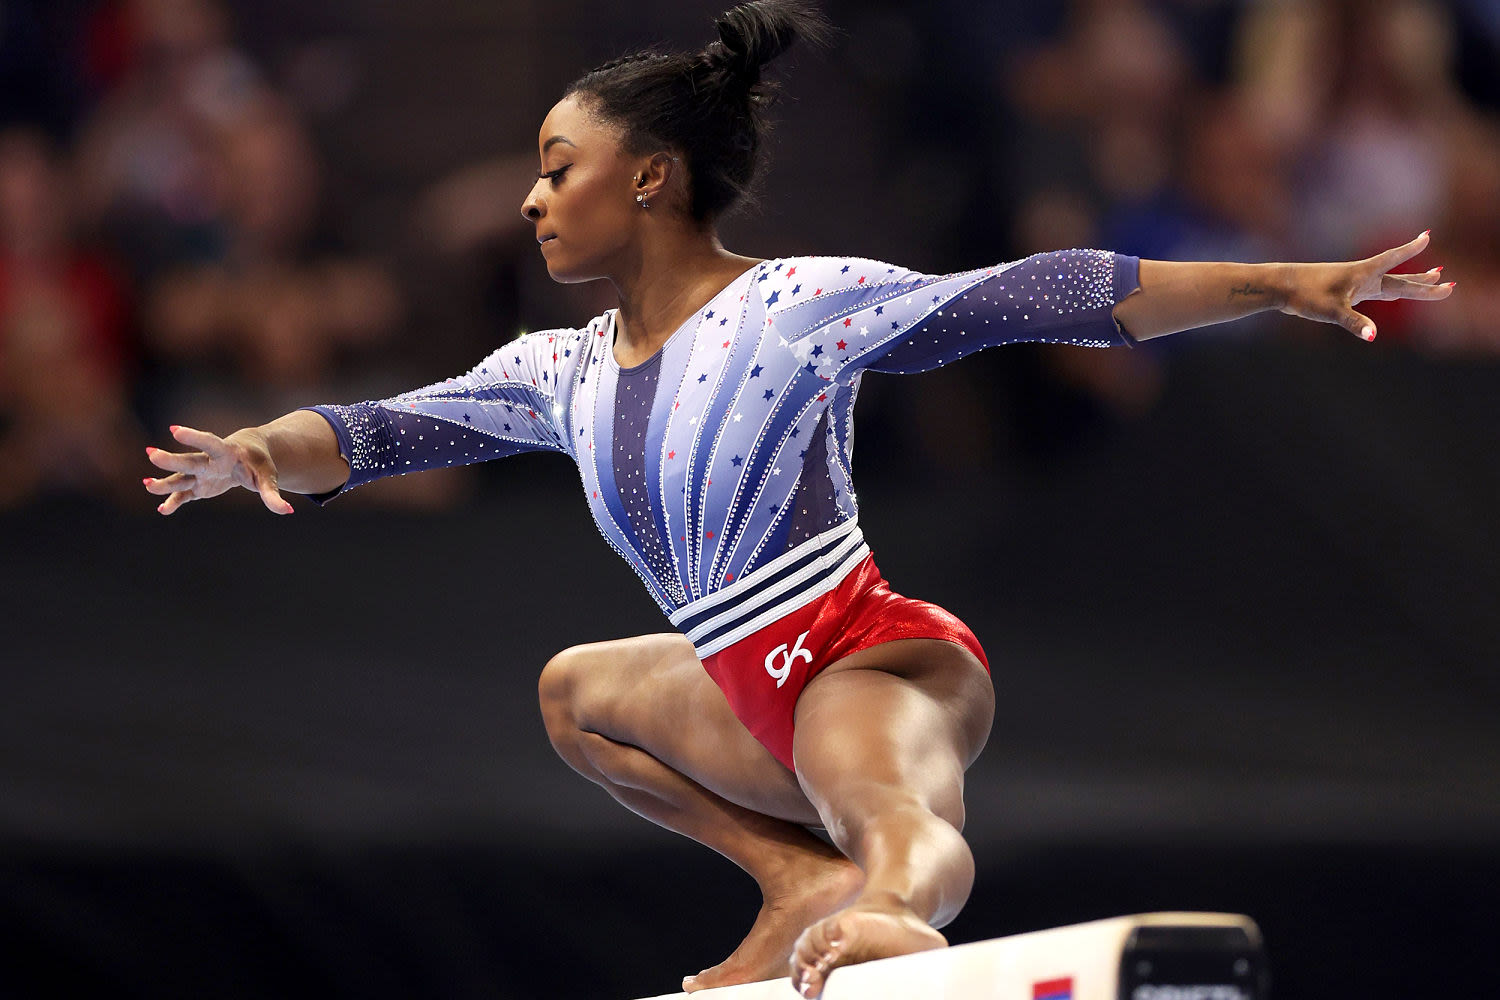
x=1238, y=587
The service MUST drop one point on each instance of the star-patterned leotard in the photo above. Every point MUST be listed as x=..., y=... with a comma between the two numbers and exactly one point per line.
x=720, y=467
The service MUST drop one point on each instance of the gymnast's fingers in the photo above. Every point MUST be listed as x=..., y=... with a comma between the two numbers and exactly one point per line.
x=174, y=483
x=176, y=500
x=210, y=443
x=1402, y=286
x=190, y=462
x=265, y=485
x=1399, y=255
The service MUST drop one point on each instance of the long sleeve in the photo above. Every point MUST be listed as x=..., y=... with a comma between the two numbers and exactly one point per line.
x=515, y=400
x=844, y=315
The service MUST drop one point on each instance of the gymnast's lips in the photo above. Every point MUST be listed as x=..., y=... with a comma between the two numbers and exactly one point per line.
x=544, y=239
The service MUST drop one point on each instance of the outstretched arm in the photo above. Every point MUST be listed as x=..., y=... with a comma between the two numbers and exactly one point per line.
x=515, y=400
x=1183, y=295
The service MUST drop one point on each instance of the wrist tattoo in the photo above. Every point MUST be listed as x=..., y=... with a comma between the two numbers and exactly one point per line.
x=1247, y=290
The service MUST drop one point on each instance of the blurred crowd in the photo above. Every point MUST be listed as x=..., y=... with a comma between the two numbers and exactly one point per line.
x=170, y=251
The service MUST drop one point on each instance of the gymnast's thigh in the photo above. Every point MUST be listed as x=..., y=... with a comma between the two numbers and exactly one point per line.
x=651, y=692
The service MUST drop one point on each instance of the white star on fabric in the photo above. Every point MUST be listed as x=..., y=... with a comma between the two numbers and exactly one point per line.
x=776, y=471
x=736, y=418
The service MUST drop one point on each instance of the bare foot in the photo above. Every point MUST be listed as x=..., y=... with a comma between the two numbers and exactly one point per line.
x=862, y=933
x=805, y=892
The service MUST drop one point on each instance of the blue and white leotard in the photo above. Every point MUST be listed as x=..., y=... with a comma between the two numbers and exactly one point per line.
x=720, y=468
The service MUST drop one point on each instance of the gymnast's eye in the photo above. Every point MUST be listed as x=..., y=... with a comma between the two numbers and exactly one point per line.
x=553, y=175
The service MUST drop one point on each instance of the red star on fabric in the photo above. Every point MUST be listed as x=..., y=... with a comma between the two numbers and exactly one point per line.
x=818, y=292
x=791, y=272
x=848, y=321
x=861, y=280
x=554, y=357
x=708, y=534
x=672, y=454
x=676, y=405
x=725, y=344
x=822, y=397
x=729, y=577
x=839, y=345
x=596, y=494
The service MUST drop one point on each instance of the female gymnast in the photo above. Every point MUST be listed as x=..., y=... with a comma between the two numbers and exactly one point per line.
x=710, y=415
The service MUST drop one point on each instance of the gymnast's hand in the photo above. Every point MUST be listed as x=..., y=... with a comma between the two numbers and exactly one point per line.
x=241, y=459
x=1328, y=292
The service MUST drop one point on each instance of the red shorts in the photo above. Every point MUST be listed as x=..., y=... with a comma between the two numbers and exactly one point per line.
x=763, y=674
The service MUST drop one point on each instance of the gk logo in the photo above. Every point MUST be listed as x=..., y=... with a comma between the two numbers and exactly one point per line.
x=787, y=658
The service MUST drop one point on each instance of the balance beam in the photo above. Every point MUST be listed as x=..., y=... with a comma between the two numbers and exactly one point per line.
x=1149, y=956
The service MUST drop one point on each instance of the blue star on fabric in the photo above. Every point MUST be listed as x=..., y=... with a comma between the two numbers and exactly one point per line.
x=724, y=320
x=768, y=394
x=845, y=270
x=797, y=289
x=468, y=419
x=567, y=352
x=895, y=325
x=518, y=360
x=703, y=377
x=736, y=460
x=507, y=426
x=935, y=299
x=811, y=367
x=755, y=372
x=774, y=296
x=777, y=267
x=879, y=310
x=796, y=431
x=802, y=453
x=709, y=314
x=764, y=275
x=817, y=349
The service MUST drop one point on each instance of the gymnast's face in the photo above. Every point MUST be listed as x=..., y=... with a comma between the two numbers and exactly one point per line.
x=583, y=203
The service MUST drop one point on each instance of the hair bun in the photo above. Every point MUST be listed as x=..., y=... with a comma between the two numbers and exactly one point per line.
x=754, y=33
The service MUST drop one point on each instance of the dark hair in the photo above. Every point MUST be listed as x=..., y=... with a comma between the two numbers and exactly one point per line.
x=711, y=105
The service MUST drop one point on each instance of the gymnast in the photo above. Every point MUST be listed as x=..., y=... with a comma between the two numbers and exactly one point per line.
x=709, y=415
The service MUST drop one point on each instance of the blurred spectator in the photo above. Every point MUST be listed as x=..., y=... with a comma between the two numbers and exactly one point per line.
x=148, y=158
x=65, y=360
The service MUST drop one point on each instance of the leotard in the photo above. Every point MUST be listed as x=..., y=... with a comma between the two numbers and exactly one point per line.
x=720, y=467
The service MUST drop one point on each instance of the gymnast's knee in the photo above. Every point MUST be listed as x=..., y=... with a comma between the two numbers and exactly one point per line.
x=560, y=690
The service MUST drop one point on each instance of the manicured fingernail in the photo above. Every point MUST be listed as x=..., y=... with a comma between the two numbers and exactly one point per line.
x=1439, y=269
x=1368, y=333
x=150, y=450
x=175, y=427
x=1427, y=232
x=161, y=507
x=1450, y=284
x=148, y=480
